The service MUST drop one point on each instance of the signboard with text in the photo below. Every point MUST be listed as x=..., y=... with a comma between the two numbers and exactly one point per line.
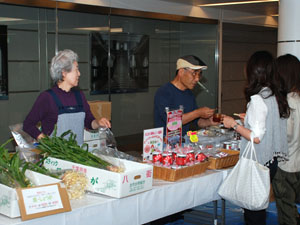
x=153, y=141
x=174, y=127
x=42, y=201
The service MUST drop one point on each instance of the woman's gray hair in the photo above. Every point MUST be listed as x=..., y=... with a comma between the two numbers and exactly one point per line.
x=62, y=62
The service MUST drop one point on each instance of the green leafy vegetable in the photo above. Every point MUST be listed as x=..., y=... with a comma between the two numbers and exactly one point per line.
x=68, y=149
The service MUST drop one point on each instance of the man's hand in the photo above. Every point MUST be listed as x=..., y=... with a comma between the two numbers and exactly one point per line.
x=205, y=112
x=207, y=122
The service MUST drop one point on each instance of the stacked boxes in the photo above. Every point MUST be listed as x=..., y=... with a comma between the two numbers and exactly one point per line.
x=92, y=139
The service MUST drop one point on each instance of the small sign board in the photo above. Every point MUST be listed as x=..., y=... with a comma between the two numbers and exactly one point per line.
x=153, y=141
x=174, y=127
x=42, y=201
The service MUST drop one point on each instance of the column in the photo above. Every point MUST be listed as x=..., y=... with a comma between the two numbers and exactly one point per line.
x=289, y=28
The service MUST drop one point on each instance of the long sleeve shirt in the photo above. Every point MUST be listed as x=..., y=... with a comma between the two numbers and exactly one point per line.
x=45, y=111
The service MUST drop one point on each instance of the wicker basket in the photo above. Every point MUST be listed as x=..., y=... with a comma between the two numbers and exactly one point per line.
x=227, y=161
x=174, y=175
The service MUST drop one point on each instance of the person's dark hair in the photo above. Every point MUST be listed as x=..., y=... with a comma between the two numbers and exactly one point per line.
x=262, y=72
x=289, y=70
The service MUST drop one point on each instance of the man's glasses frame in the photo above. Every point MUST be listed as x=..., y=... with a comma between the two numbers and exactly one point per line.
x=194, y=73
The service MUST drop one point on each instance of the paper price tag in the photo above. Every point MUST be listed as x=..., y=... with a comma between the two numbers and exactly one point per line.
x=42, y=201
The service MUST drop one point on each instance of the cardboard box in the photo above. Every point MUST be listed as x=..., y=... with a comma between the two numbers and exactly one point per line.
x=91, y=135
x=100, y=109
x=136, y=178
x=8, y=196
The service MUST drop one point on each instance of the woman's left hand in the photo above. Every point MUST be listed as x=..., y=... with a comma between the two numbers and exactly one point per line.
x=103, y=122
x=228, y=121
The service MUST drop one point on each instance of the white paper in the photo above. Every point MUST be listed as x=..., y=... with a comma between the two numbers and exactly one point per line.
x=153, y=141
x=41, y=199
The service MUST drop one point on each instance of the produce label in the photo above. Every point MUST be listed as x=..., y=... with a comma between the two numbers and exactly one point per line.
x=42, y=201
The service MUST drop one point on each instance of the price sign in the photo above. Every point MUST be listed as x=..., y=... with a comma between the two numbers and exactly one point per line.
x=153, y=141
x=42, y=201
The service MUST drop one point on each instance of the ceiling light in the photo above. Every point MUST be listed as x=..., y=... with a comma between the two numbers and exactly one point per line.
x=9, y=19
x=112, y=30
x=236, y=3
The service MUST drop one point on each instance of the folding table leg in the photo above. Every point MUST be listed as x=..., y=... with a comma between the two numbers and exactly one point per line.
x=215, y=212
x=223, y=212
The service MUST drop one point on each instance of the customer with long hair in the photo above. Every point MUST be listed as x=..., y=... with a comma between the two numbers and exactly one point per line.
x=286, y=183
x=265, y=120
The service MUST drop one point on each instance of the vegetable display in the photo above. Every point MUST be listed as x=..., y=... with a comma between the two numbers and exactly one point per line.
x=64, y=148
x=10, y=172
x=12, y=169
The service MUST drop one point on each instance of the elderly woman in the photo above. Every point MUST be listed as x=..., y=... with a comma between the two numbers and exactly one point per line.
x=62, y=105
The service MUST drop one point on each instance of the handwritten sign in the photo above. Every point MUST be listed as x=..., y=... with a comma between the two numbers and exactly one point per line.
x=153, y=141
x=42, y=201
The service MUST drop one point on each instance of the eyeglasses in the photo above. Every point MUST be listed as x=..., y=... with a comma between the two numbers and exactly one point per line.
x=194, y=73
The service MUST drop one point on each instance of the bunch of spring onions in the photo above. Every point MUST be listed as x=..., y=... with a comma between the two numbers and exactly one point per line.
x=66, y=148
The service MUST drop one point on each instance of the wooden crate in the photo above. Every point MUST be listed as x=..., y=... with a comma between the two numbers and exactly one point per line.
x=174, y=175
x=224, y=162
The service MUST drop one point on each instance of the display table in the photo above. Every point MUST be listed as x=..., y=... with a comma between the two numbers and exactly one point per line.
x=165, y=198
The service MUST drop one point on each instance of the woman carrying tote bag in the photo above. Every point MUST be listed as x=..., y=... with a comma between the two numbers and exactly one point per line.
x=265, y=120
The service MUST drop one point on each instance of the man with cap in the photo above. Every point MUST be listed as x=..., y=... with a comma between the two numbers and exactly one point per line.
x=178, y=92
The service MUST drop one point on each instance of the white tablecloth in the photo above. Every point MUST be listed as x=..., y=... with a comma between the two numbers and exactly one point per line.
x=165, y=198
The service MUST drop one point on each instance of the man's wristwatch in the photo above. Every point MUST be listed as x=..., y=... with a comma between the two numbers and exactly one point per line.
x=235, y=126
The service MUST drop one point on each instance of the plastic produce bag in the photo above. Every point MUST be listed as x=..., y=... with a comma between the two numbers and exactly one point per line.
x=107, y=135
x=22, y=139
x=28, y=154
x=110, y=146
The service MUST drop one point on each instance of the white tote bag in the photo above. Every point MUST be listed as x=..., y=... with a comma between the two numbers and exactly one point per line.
x=248, y=184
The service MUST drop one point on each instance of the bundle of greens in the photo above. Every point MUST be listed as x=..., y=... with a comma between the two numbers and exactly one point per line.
x=11, y=173
x=68, y=149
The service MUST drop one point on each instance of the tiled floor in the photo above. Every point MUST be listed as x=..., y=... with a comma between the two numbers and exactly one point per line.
x=233, y=216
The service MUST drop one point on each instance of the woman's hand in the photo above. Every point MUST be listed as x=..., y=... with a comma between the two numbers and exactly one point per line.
x=103, y=122
x=41, y=136
x=229, y=122
x=241, y=116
